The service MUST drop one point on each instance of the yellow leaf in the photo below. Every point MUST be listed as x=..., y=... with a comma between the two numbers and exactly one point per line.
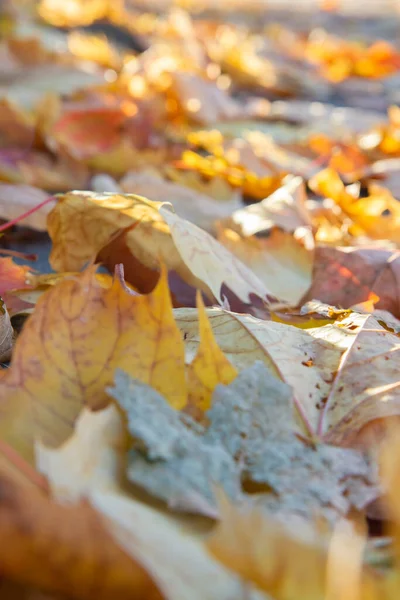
x=73, y=12
x=210, y=365
x=266, y=554
x=69, y=349
x=83, y=223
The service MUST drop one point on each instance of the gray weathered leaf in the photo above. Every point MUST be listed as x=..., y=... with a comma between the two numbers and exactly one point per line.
x=249, y=445
x=178, y=464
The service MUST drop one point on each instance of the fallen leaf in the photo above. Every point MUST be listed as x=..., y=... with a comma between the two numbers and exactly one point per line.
x=31, y=86
x=180, y=462
x=90, y=458
x=281, y=560
x=16, y=127
x=343, y=374
x=149, y=231
x=76, y=13
x=209, y=367
x=88, y=131
x=377, y=215
x=193, y=206
x=346, y=276
x=88, y=466
x=63, y=549
x=63, y=360
x=285, y=208
x=202, y=100
x=281, y=261
x=268, y=554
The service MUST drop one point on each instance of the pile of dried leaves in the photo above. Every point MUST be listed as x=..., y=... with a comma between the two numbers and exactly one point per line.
x=200, y=398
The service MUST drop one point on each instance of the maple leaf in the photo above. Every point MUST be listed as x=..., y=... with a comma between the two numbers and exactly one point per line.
x=209, y=367
x=243, y=445
x=147, y=231
x=63, y=360
x=343, y=374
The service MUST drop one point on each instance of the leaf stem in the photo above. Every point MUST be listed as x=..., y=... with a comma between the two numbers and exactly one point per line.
x=26, y=214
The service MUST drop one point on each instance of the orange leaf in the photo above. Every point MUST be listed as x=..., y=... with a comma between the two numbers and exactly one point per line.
x=210, y=365
x=63, y=549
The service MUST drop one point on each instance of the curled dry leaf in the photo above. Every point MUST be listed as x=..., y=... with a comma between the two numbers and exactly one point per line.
x=148, y=231
x=68, y=350
x=345, y=276
x=343, y=375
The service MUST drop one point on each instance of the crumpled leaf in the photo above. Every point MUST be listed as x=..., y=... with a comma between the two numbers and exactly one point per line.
x=181, y=462
x=68, y=350
x=42, y=539
x=343, y=374
x=147, y=231
x=345, y=276
x=88, y=466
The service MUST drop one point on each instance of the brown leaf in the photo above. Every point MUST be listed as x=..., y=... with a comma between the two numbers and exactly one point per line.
x=345, y=276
